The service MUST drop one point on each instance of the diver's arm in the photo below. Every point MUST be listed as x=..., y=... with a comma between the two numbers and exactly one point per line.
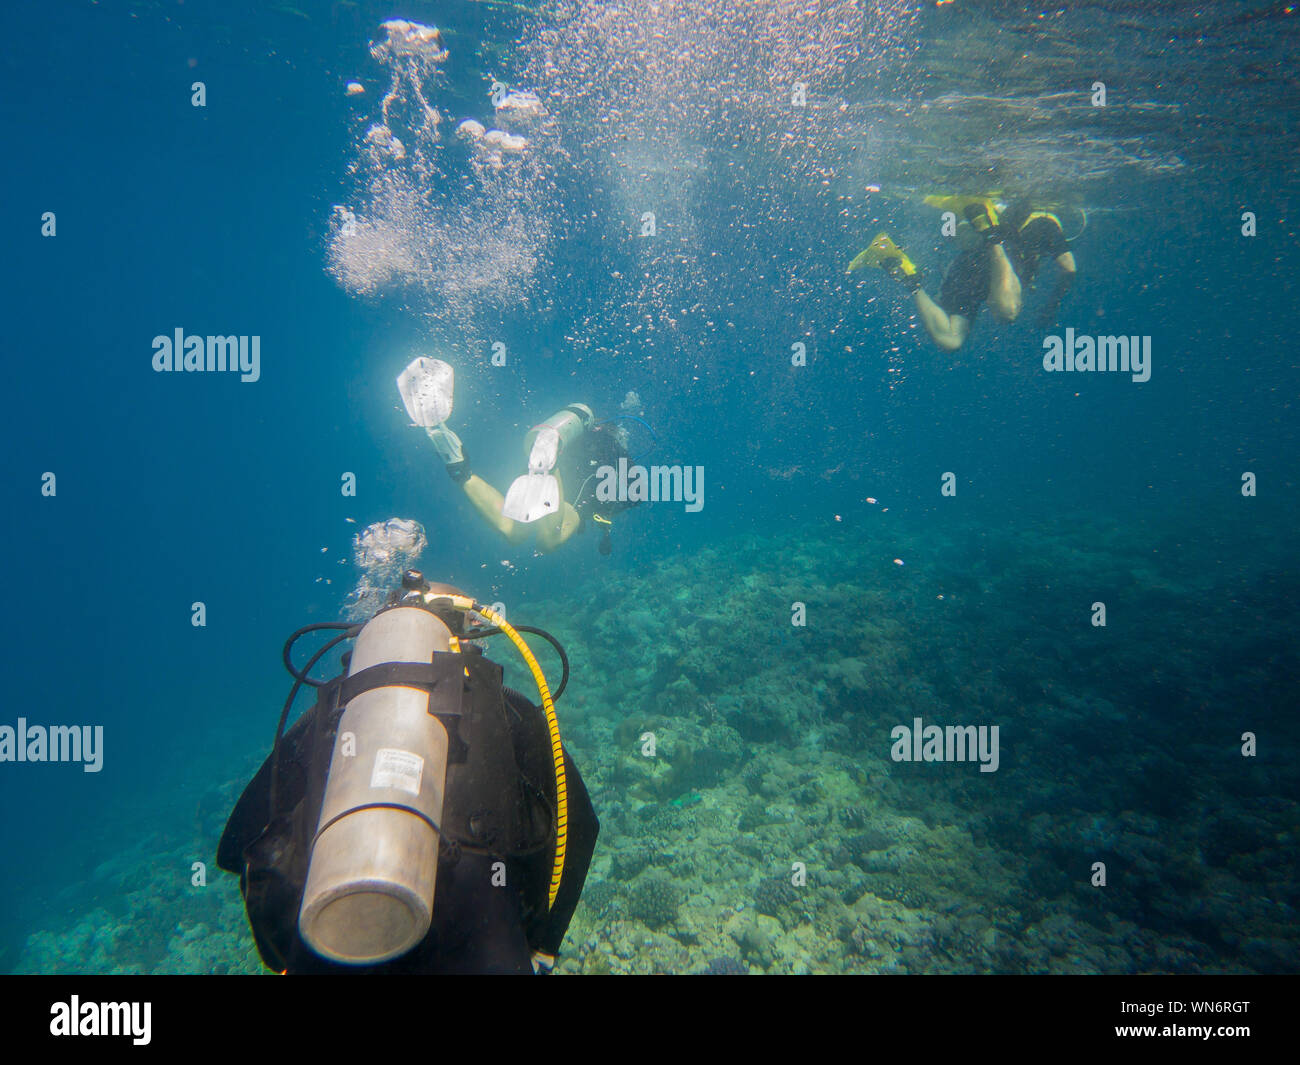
x=1065, y=274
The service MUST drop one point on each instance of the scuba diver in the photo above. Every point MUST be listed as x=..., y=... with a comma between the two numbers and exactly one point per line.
x=420, y=817
x=1008, y=247
x=569, y=449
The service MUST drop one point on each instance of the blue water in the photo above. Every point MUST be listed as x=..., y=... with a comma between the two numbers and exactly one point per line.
x=181, y=488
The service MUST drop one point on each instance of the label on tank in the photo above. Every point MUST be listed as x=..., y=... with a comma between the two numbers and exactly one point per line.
x=397, y=769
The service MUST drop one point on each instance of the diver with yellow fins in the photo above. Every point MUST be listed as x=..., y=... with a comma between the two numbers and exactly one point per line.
x=1009, y=243
x=568, y=448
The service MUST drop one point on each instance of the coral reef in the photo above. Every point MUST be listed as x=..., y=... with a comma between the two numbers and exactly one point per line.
x=772, y=754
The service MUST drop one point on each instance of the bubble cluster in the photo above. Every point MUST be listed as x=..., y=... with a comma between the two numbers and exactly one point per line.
x=455, y=223
x=718, y=120
x=382, y=552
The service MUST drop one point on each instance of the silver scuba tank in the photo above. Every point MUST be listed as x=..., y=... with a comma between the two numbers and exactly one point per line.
x=569, y=423
x=371, y=878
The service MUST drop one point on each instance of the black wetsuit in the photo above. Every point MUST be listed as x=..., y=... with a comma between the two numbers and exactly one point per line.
x=966, y=285
x=579, y=467
x=500, y=808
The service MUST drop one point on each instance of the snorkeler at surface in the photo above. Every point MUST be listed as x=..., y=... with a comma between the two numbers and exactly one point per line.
x=1003, y=263
x=568, y=449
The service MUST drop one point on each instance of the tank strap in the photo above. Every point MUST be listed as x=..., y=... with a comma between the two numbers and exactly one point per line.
x=444, y=673
x=443, y=679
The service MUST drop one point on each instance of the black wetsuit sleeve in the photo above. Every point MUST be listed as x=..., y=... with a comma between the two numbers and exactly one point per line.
x=533, y=754
x=583, y=829
x=252, y=813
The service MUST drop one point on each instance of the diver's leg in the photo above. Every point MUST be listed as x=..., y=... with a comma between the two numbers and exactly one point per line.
x=1005, y=298
x=486, y=499
x=1003, y=293
x=488, y=502
x=559, y=527
x=554, y=529
x=949, y=331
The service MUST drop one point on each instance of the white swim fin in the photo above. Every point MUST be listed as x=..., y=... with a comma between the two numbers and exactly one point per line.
x=531, y=497
x=537, y=493
x=426, y=386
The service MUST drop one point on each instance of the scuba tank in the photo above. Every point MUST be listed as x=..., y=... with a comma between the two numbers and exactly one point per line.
x=536, y=494
x=569, y=424
x=364, y=842
x=371, y=874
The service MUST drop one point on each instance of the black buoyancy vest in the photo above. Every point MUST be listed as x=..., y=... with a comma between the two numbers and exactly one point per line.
x=499, y=807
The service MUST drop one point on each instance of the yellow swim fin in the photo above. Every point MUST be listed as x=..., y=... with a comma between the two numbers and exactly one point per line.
x=884, y=253
x=961, y=205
